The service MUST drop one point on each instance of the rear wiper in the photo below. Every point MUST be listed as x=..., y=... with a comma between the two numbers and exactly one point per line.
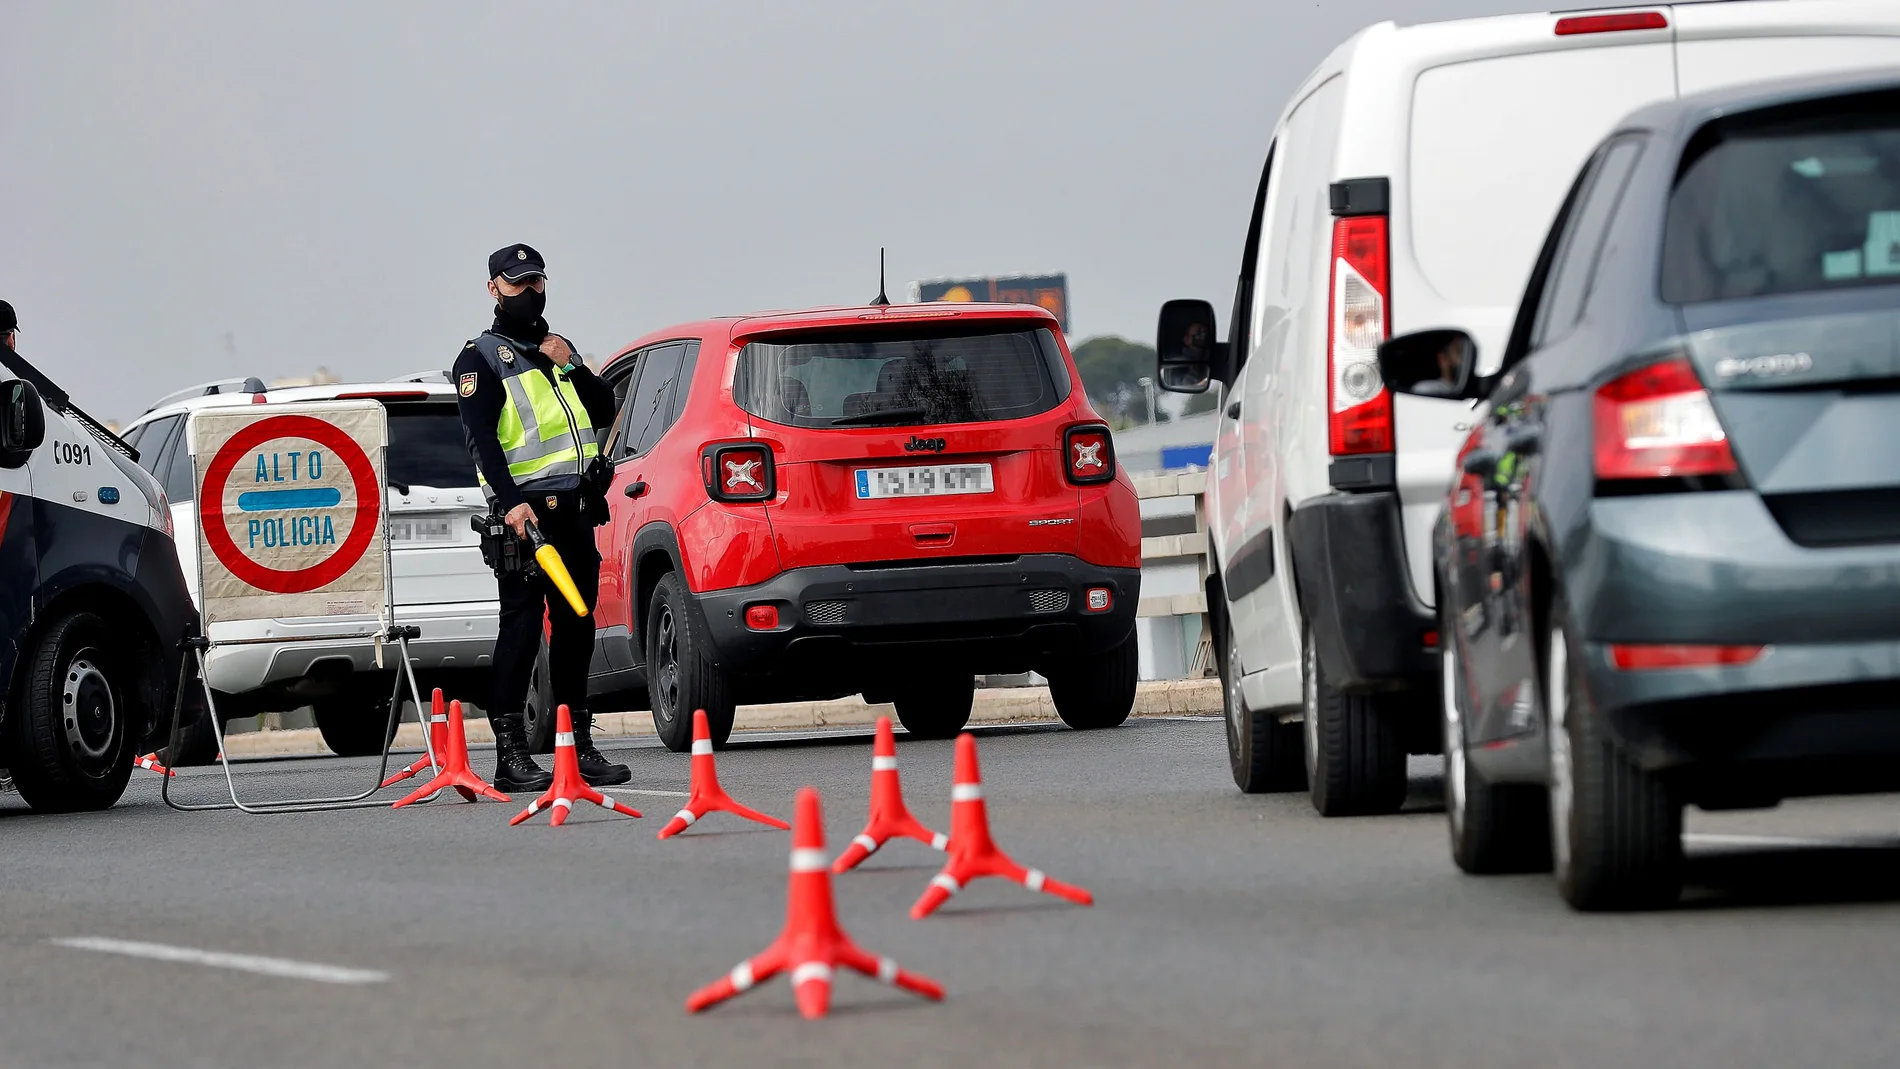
x=879, y=416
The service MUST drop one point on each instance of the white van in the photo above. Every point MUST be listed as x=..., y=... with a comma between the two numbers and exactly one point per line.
x=1408, y=185
x=441, y=584
x=93, y=607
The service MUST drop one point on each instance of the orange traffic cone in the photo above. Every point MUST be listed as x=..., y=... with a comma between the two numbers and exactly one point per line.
x=438, y=740
x=706, y=795
x=150, y=763
x=453, y=750
x=812, y=945
x=972, y=854
x=890, y=818
x=568, y=786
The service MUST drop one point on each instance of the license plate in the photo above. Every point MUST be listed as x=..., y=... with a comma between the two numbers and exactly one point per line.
x=421, y=529
x=929, y=480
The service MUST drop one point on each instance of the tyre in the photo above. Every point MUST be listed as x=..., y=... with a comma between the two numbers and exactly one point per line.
x=935, y=707
x=1616, y=830
x=681, y=674
x=1355, y=752
x=356, y=723
x=68, y=741
x=1265, y=754
x=537, y=712
x=1494, y=828
x=1098, y=691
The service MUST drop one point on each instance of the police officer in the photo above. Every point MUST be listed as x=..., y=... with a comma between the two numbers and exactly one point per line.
x=531, y=412
x=9, y=325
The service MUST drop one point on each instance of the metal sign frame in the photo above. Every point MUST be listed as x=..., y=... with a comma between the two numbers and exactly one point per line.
x=194, y=649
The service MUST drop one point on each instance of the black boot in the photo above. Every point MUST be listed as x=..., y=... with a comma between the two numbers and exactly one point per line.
x=515, y=769
x=595, y=768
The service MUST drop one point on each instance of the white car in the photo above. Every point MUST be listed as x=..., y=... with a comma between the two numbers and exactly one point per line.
x=441, y=584
x=1408, y=185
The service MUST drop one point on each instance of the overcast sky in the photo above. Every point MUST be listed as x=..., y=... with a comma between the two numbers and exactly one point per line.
x=324, y=181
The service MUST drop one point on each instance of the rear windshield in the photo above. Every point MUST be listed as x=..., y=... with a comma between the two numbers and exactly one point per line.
x=1802, y=205
x=426, y=447
x=884, y=379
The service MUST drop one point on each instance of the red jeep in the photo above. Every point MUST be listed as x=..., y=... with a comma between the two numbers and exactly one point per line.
x=875, y=500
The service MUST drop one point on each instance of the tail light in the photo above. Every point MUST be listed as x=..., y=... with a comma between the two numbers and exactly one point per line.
x=1088, y=454
x=761, y=617
x=1657, y=422
x=1100, y=599
x=739, y=472
x=1630, y=658
x=1358, y=318
x=1616, y=23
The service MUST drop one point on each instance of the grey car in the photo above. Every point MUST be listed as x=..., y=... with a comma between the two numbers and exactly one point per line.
x=1669, y=564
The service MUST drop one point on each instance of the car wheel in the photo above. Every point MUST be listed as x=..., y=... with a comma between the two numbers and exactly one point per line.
x=67, y=740
x=1616, y=830
x=1494, y=828
x=1098, y=691
x=537, y=713
x=356, y=723
x=1355, y=753
x=935, y=707
x=681, y=676
x=1265, y=754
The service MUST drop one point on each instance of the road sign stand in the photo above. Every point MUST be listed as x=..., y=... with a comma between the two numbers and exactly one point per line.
x=195, y=649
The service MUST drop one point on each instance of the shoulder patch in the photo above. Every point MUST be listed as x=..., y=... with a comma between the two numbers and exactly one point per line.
x=467, y=386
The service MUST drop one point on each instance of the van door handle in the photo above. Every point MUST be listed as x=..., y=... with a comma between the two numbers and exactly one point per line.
x=1233, y=410
x=635, y=488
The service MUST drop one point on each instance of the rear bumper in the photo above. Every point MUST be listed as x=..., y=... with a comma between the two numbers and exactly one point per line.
x=454, y=637
x=1348, y=555
x=990, y=616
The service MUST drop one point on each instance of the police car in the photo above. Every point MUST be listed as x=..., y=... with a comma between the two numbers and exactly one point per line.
x=92, y=602
x=441, y=584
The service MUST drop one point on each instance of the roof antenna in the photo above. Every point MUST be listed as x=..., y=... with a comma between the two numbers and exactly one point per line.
x=881, y=301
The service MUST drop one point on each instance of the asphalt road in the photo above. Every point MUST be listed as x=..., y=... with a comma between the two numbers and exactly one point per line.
x=1228, y=930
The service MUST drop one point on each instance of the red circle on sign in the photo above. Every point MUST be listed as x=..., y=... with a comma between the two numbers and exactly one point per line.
x=279, y=580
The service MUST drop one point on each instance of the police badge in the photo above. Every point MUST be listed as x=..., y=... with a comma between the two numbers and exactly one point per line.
x=468, y=384
x=553, y=501
x=507, y=355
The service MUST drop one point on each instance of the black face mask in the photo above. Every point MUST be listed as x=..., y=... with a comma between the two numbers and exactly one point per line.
x=523, y=308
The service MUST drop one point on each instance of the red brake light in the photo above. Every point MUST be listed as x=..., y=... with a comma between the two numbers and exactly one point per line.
x=1658, y=422
x=739, y=472
x=1088, y=454
x=1358, y=318
x=1617, y=23
x=1631, y=658
x=761, y=617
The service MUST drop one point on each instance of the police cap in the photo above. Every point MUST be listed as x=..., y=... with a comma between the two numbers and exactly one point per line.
x=516, y=262
x=8, y=321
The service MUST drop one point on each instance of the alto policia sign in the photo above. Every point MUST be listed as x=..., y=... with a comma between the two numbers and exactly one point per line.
x=291, y=517
x=1049, y=291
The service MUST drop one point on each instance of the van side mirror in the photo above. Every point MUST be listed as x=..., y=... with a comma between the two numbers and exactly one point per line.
x=1185, y=349
x=22, y=422
x=1431, y=363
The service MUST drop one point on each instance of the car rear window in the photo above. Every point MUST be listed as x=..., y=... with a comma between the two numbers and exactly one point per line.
x=1789, y=206
x=912, y=377
x=427, y=448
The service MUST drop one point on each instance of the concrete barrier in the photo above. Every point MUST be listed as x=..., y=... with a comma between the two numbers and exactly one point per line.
x=1173, y=697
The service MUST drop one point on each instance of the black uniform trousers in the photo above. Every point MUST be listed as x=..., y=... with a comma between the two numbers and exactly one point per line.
x=523, y=600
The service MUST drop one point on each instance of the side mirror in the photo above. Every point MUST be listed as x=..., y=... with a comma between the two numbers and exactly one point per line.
x=1185, y=347
x=1431, y=363
x=22, y=422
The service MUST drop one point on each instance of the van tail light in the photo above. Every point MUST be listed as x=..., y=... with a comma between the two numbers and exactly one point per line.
x=1088, y=454
x=1358, y=318
x=1616, y=23
x=1657, y=422
x=739, y=472
x=1633, y=658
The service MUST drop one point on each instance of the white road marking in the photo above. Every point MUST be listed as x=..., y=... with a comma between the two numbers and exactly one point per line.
x=637, y=790
x=1703, y=838
x=251, y=963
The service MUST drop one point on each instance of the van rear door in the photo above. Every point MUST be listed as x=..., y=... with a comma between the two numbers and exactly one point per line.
x=1719, y=45
x=1495, y=143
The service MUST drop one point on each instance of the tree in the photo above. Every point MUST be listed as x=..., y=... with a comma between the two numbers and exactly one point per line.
x=1111, y=370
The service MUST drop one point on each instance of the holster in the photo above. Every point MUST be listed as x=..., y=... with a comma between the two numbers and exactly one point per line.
x=504, y=554
x=596, y=480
